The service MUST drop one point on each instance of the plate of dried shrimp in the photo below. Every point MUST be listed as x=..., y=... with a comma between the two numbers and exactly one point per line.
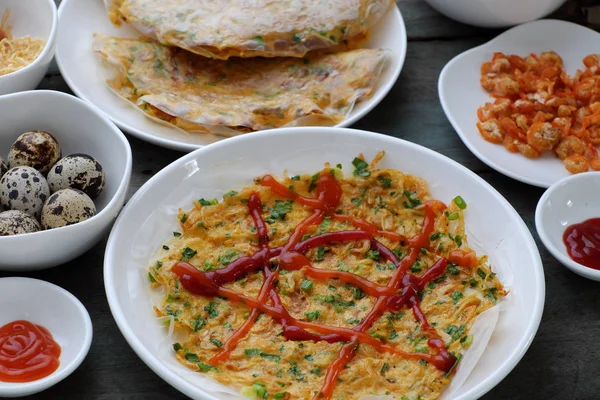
x=527, y=103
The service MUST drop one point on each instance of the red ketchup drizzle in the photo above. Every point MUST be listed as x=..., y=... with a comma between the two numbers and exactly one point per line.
x=401, y=291
x=583, y=242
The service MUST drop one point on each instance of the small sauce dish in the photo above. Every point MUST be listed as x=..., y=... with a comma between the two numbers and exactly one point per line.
x=569, y=201
x=58, y=311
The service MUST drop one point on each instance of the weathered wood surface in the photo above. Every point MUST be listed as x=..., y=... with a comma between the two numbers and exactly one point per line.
x=563, y=361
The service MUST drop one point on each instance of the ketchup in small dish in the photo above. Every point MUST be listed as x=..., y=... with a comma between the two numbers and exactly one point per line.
x=28, y=352
x=583, y=242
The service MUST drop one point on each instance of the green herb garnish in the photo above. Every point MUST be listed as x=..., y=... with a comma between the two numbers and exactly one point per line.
x=306, y=285
x=205, y=202
x=360, y=168
x=187, y=254
x=228, y=257
x=313, y=315
x=456, y=296
x=385, y=182
x=279, y=210
x=460, y=202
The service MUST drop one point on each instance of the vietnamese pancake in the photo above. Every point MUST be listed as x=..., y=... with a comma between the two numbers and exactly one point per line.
x=198, y=94
x=337, y=285
x=250, y=28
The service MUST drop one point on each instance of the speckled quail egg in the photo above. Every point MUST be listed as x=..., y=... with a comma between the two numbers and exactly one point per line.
x=36, y=149
x=77, y=171
x=16, y=222
x=24, y=189
x=3, y=167
x=67, y=207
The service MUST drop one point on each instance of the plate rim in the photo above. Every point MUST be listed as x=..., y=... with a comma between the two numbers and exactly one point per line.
x=172, y=144
x=189, y=389
x=457, y=128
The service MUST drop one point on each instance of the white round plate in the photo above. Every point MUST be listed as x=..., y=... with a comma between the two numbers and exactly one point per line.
x=461, y=94
x=58, y=311
x=494, y=228
x=82, y=72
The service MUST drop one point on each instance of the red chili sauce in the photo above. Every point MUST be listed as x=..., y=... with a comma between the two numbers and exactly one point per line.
x=583, y=242
x=401, y=291
x=28, y=352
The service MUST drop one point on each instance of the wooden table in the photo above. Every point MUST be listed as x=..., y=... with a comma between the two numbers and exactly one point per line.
x=562, y=363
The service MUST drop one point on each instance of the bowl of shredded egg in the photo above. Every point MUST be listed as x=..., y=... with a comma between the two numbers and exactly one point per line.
x=27, y=42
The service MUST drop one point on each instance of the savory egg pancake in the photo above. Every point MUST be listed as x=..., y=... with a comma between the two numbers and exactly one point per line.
x=239, y=95
x=325, y=286
x=251, y=28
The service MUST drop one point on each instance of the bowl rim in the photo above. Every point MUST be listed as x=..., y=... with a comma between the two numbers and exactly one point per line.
x=191, y=390
x=169, y=143
x=42, y=384
x=114, y=203
x=540, y=226
x=49, y=47
x=458, y=129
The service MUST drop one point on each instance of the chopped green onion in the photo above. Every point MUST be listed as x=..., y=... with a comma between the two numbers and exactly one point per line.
x=204, y=202
x=306, y=285
x=313, y=315
x=453, y=216
x=460, y=202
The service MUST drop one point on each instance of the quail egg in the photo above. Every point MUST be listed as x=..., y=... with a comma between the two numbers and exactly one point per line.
x=37, y=149
x=77, y=171
x=16, y=222
x=3, y=167
x=67, y=207
x=24, y=189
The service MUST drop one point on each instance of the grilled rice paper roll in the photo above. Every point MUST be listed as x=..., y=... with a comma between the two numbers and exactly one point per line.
x=239, y=95
x=251, y=28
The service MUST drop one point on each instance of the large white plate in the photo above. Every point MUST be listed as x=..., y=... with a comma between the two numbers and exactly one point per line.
x=461, y=94
x=79, y=19
x=494, y=228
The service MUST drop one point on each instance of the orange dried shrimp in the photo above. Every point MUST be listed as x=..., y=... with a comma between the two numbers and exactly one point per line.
x=539, y=108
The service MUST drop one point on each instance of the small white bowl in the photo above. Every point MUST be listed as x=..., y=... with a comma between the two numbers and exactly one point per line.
x=38, y=19
x=79, y=128
x=569, y=201
x=55, y=309
x=495, y=13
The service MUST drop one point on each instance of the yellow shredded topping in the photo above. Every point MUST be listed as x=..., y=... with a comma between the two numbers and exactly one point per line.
x=16, y=52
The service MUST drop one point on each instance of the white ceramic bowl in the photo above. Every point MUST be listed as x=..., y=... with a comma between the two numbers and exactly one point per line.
x=461, y=93
x=569, y=201
x=84, y=75
x=495, y=13
x=36, y=18
x=494, y=227
x=55, y=309
x=79, y=128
